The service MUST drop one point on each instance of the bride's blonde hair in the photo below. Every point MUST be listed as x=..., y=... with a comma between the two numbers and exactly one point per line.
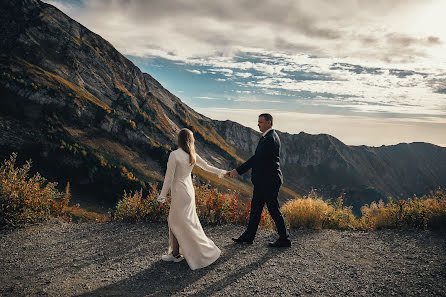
x=186, y=141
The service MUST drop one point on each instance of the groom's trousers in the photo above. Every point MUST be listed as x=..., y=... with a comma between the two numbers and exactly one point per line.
x=265, y=194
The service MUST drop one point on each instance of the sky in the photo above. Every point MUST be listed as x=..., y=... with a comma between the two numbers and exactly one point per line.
x=367, y=72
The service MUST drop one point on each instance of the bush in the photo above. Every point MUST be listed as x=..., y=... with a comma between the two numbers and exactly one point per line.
x=26, y=199
x=313, y=212
x=133, y=207
x=427, y=212
x=214, y=207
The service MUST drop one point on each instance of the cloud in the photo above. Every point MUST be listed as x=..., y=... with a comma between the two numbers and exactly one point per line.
x=224, y=71
x=438, y=84
x=194, y=71
x=179, y=29
x=255, y=100
x=207, y=98
x=243, y=74
x=404, y=40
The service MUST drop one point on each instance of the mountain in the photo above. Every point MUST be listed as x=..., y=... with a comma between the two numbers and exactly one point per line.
x=364, y=174
x=86, y=114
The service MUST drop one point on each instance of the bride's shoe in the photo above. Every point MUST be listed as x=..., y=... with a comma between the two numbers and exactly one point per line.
x=171, y=258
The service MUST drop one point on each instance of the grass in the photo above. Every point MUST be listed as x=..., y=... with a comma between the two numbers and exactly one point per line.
x=79, y=214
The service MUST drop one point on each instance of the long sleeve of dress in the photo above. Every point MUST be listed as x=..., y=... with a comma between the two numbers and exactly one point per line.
x=202, y=164
x=168, y=178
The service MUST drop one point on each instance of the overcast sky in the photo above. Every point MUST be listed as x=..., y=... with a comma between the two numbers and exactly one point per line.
x=366, y=72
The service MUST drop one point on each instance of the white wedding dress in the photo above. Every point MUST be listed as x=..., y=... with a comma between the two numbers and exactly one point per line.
x=198, y=250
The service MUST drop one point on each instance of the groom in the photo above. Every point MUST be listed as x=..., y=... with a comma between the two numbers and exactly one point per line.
x=267, y=179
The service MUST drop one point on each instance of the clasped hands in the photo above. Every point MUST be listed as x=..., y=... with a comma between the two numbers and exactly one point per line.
x=233, y=173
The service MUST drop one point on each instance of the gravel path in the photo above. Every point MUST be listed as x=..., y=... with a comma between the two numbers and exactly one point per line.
x=119, y=259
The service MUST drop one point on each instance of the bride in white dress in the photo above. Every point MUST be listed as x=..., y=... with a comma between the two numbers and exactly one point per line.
x=186, y=235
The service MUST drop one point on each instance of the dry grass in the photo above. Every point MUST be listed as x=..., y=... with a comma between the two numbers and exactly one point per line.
x=313, y=212
x=79, y=214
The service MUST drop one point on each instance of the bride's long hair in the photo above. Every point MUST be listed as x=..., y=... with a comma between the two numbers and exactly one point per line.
x=186, y=141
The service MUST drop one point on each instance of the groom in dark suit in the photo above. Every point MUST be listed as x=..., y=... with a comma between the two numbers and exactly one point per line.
x=267, y=179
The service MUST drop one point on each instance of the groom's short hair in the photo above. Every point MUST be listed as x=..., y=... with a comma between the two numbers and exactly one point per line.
x=267, y=117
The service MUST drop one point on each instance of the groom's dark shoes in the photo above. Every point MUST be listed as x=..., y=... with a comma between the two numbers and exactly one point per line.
x=280, y=243
x=242, y=240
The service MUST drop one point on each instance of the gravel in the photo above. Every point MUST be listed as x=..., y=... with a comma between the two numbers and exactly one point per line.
x=121, y=259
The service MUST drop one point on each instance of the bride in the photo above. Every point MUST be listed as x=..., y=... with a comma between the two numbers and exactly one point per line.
x=185, y=230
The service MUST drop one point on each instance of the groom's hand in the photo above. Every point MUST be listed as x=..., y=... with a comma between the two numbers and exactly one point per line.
x=233, y=173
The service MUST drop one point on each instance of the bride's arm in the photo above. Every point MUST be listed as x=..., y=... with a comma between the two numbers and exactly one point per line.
x=168, y=178
x=204, y=165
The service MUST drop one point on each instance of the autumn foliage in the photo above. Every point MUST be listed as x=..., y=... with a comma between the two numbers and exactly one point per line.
x=427, y=212
x=28, y=199
x=25, y=199
x=214, y=207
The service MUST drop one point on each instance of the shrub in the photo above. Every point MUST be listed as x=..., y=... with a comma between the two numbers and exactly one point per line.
x=426, y=212
x=313, y=212
x=133, y=207
x=214, y=207
x=25, y=199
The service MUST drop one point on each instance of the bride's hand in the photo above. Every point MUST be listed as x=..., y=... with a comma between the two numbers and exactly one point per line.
x=161, y=199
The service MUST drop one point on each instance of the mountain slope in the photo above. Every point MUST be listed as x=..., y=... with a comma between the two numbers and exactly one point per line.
x=86, y=105
x=86, y=114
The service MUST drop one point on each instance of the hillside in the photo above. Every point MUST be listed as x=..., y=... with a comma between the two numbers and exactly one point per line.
x=86, y=114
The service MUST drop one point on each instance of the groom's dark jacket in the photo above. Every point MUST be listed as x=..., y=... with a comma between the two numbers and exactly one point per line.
x=265, y=163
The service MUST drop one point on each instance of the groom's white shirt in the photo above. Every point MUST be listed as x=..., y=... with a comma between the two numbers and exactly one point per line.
x=264, y=133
